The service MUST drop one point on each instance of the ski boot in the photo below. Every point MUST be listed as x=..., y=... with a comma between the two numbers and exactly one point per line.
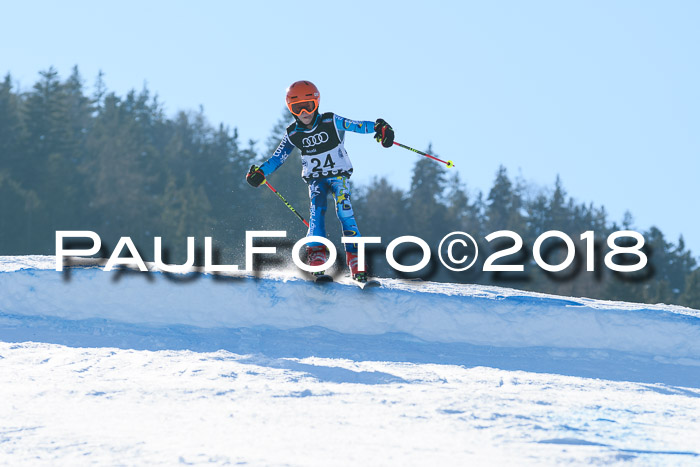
x=317, y=255
x=360, y=277
x=352, y=265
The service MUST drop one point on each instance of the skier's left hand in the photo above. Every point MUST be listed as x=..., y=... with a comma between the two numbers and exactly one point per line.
x=384, y=133
x=255, y=176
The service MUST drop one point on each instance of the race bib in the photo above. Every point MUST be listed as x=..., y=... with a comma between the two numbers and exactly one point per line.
x=326, y=164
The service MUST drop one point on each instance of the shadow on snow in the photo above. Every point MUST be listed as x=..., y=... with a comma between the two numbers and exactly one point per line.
x=271, y=346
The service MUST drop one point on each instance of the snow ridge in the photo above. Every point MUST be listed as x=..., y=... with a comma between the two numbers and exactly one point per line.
x=429, y=313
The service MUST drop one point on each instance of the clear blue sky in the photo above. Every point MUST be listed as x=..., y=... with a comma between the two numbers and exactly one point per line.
x=604, y=93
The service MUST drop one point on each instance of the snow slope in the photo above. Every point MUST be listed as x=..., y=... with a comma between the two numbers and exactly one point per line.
x=89, y=307
x=131, y=367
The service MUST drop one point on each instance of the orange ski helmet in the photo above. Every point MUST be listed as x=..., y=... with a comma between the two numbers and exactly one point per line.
x=303, y=96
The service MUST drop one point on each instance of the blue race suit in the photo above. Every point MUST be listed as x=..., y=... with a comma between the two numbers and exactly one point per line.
x=326, y=167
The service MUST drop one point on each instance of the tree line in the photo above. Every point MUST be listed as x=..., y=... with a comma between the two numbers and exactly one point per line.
x=117, y=165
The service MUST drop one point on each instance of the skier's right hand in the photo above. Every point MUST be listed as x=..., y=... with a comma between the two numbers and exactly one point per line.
x=255, y=176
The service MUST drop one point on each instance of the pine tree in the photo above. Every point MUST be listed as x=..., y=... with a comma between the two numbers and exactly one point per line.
x=681, y=264
x=100, y=91
x=46, y=167
x=505, y=205
x=10, y=125
x=67, y=168
x=537, y=217
x=691, y=295
x=558, y=215
x=48, y=130
x=380, y=210
x=425, y=200
x=120, y=177
x=15, y=201
x=184, y=212
x=461, y=213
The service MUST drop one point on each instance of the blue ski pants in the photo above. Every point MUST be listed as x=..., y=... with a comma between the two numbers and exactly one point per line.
x=318, y=197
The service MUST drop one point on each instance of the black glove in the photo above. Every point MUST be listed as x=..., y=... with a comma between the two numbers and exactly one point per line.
x=384, y=133
x=255, y=176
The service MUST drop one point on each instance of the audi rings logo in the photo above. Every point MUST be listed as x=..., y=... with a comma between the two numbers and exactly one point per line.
x=313, y=140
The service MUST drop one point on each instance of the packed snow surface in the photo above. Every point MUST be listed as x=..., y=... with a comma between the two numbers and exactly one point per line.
x=151, y=368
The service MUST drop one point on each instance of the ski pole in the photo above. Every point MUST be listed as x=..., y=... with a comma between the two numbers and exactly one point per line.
x=286, y=202
x=448, y=163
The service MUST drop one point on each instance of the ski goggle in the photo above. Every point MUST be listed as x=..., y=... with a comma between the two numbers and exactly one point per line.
x=297, y=107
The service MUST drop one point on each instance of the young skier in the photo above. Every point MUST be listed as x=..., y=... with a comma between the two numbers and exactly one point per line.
x=325, y=165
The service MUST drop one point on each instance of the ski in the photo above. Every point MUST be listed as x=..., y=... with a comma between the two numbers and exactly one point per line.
x=323, y=278
x=371, y=283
